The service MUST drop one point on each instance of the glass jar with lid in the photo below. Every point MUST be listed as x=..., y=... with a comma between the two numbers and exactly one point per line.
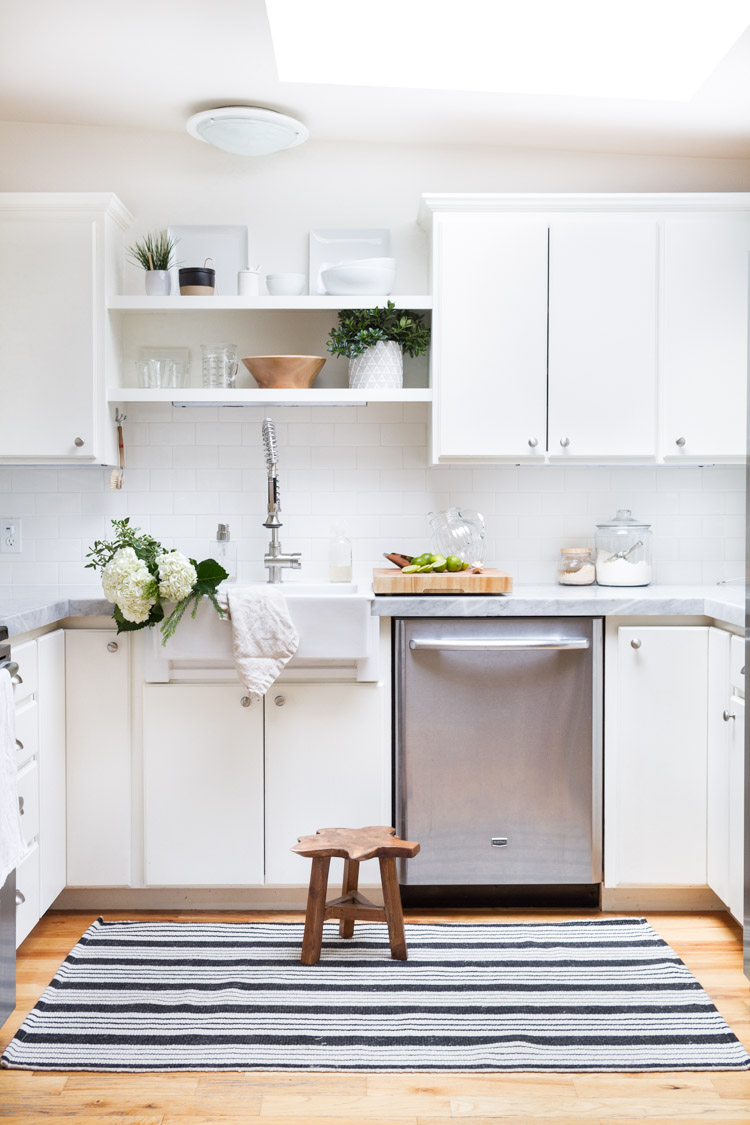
x=576, y=566
x=623, y=551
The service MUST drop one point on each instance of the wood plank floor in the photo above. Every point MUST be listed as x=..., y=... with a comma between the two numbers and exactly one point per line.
x=709, y=944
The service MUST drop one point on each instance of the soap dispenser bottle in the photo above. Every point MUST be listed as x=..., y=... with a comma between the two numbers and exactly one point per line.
x=226, y=551
x=339, y=557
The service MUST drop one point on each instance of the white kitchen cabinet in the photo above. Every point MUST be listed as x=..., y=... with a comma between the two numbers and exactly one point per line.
x=51, y=757
x=646, y=333
x=736, y=898
x=726, y=770
x=489, y=342
x=327, y=766
x=602, y=337
x=58, y=257
x=656, y=757
x=704, y=336
x=203, y=785
x=97, y=706
x=27, y=894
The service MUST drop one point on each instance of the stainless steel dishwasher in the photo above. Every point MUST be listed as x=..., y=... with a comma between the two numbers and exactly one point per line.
x=498, y=745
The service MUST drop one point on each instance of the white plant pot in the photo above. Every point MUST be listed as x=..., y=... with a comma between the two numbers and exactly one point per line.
x=381, y=367
x=158, y=283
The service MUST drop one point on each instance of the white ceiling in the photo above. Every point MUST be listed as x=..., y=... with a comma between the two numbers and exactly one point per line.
x=152, y=63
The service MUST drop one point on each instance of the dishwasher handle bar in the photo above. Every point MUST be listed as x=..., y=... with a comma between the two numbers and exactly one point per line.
x=501, y=644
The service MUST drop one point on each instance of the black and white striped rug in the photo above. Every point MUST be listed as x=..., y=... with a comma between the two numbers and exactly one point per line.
x=600, y=995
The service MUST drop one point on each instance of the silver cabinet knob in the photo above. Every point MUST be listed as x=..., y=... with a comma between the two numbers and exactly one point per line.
x=79, y=442
x=12, y=670
x=727, y=715
x=21, y=809
x=680, y=441
x=636, y=643
x=565, y=442
x=113, y=646
x=19, y=744
x=533, y=442
x=245, y=701
x=280, y=700
x=20, y=898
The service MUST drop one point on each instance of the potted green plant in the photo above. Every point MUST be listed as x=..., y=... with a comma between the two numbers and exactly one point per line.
x=374, y=340
x=155, y=254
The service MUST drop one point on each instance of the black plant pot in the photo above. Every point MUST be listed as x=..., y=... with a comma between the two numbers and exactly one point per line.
x=197, y=281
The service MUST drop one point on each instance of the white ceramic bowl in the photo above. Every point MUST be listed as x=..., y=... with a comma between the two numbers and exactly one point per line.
x=285, y=284
x=361, y=277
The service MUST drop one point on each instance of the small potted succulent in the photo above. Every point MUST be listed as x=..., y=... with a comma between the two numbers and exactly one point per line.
x=155, y=254
x=375, y=341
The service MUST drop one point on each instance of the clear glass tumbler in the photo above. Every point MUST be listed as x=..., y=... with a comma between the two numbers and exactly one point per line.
x=220, y=365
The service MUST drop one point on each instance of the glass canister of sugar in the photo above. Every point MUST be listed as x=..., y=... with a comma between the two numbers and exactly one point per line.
x=623, y=551
x=576, y=566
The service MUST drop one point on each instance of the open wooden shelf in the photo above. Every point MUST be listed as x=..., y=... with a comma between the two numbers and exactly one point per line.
x=328, y=396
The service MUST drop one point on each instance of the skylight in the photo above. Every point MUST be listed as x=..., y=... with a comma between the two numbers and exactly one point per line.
x=661, y=50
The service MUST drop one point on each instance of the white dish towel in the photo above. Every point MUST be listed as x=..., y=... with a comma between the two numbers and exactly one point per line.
x=263, y=636
x=12, y=843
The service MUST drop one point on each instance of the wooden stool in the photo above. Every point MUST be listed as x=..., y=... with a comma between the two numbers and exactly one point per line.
x=353, y=845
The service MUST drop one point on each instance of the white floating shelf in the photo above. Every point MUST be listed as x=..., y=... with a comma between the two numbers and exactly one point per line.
x=328, y=396
x=262, y=304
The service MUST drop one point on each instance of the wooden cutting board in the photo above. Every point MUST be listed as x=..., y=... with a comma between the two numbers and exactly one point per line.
x=391, y=580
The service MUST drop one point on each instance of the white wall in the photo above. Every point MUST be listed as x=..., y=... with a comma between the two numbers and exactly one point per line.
x=189, y=468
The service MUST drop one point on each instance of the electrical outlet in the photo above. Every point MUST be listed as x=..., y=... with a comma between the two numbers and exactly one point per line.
x=10, y=537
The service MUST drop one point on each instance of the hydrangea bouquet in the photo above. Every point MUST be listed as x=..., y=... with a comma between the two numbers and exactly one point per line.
x=139, y=576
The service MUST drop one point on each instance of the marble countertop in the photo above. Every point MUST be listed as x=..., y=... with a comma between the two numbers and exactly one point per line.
x=25, y=608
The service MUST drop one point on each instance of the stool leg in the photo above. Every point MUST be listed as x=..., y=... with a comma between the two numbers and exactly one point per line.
x=316, y=910
x=348, y=887
x=394, y=914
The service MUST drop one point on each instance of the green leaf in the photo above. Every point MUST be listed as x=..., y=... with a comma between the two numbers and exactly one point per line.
x=210, y=573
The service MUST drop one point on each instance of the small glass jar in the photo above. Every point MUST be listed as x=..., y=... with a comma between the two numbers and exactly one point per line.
x=623, y=551
x=576, y=567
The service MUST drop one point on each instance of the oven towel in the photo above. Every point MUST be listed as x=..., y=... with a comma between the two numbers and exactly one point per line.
x=263, y=636
x=12, y=843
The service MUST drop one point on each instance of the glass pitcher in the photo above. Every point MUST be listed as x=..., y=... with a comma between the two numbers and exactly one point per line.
x=459, y=531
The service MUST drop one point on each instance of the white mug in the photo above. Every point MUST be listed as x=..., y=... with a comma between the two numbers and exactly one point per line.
x=248, y=283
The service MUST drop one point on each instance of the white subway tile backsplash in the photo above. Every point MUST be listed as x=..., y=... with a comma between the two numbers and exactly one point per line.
x=367, y=467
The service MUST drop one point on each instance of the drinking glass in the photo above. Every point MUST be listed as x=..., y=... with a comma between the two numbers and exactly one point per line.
x=220, y=365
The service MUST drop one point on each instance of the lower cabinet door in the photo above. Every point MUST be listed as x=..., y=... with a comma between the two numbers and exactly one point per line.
x=656, y=771
x=736, y=808
x=327, y=766
x=203, y=785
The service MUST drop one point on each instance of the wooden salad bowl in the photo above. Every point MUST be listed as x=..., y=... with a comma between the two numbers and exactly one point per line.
x=295, y=371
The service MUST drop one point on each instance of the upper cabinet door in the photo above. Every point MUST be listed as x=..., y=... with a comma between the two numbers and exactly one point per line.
x=704, y=353
x=602, y=337
x=489, y=348
x=47, y=323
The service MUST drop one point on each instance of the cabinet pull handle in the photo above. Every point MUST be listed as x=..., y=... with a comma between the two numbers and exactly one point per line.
x=280, y=700
x=533, y=442
x=12, y=669
x=20, y=898
x=565, y=442
x=727, y=715
x=742, y=670
x=20, y=806
x=499, y=841
x=113, y=646
x=680, y=441
x=79, y=442
x=636, y=643
x=19, y=744
x=245, y=701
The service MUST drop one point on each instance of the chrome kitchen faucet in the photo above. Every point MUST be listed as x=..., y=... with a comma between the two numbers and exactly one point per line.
x=275, y=559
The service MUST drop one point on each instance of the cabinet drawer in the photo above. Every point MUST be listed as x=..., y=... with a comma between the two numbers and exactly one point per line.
x=27, y=731
x=28, y=801
x=27, y=894
x=737, y=664
x=25, y=657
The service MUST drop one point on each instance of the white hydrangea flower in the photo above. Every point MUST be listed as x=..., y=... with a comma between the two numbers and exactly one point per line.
x=127, y=581
x=177, y=576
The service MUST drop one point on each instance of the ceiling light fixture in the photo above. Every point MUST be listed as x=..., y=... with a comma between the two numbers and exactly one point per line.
x=247, y=130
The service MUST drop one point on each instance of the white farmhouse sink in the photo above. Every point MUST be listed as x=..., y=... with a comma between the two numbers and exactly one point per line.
x=332, y=619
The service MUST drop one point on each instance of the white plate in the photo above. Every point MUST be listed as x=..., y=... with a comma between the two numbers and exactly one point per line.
x=226, y=245
x=329, y=247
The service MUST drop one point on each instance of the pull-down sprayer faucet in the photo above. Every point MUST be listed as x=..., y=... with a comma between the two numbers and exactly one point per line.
x=275, y=559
